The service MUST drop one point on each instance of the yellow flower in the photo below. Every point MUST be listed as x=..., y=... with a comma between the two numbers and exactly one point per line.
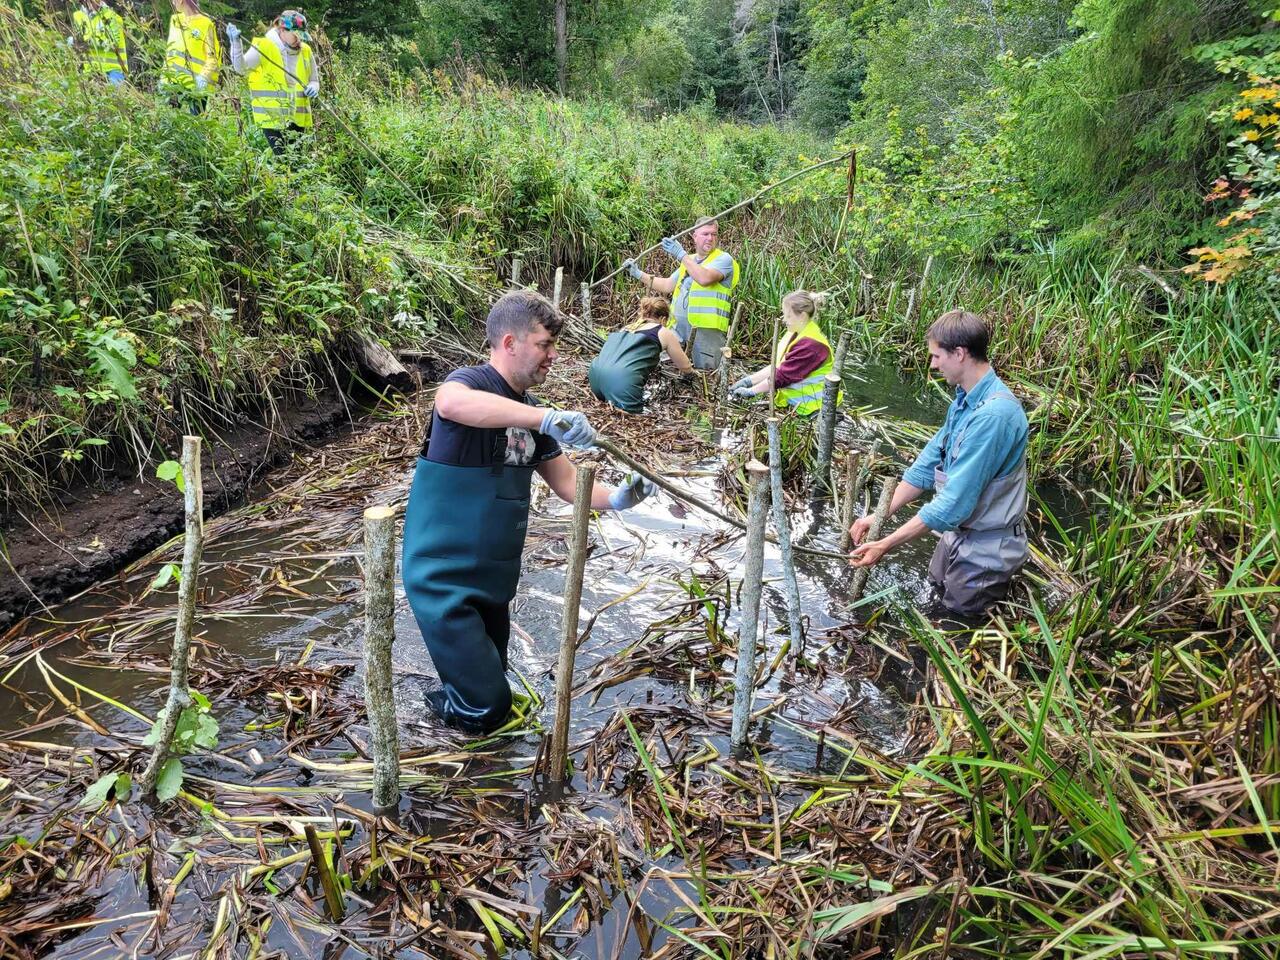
x=1251, y=135
x=1244, y=113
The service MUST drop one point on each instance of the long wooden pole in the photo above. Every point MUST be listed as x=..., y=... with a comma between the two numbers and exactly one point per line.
x=877, y=524
x=179, y=659
x=737, y=206
x=782, y=527
x=726, y=352
x=749, y=616
x=559, y=753
x=827, y=429
x=851, y=463
x=379, y=635
x=557, y=286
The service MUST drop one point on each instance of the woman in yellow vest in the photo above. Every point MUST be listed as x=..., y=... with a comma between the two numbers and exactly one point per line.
x=802, y=362
x=100, y=31
x=283, y=77
x=193, y=57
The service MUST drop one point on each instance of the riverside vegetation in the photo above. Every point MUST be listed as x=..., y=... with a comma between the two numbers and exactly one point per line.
x=1111, y=766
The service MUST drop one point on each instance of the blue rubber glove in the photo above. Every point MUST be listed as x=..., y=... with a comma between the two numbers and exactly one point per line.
x=672, y=246
x=233, y=33
x=634, y=489
x=741, y=382
x=632, y=268
x=568, y=427
x=742, y=393
x=311, y=90
x=201, y=83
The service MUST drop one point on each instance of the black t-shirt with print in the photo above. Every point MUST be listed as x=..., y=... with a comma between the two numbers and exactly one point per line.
x=461, y=446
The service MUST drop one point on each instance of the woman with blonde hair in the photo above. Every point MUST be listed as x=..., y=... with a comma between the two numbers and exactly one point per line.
x=802, y=362
x=617, y=376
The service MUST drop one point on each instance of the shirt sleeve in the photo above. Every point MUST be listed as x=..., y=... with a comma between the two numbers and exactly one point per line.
x=920, y=473
x=987, y=440
x=722, y=263
x=801, y=360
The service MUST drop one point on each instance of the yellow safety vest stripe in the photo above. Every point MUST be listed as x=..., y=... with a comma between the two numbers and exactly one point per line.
x=275, y=97
x=103, y=33
x=192, y=47
x=709, y=306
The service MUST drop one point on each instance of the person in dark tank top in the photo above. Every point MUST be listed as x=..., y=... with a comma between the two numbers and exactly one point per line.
x=617, y=376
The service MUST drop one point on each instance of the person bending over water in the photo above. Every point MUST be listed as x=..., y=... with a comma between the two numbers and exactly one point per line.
x=618, y=375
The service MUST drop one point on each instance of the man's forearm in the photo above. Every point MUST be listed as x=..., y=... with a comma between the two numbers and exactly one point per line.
x=905, y=493
x=703, y=276
x=479, y=408
x=913, y=529
x=660, y=284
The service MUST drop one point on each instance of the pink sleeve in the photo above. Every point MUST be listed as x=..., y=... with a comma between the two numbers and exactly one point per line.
x=804, y=358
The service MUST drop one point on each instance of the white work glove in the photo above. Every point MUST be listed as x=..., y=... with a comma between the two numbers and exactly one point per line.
x=632, y=268
x=742, y=393
x=201, y=83
x=672, y=246
x=741, y=382
x=632, y=491
x=311, y=90
x=233, y=33
x=568, y=427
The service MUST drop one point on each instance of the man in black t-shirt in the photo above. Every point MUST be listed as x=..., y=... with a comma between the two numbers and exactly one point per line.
x=469, y=505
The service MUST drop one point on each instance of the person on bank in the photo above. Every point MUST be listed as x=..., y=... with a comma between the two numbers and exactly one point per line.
x=701, y=289
x=193, y=57
x=99, y=31
x=802, y=362
x=464, y=527
x=976, y=466
x=283, y=77
x=617, y=376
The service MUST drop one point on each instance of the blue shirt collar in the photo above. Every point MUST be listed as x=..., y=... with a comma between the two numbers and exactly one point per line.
x=979, y=391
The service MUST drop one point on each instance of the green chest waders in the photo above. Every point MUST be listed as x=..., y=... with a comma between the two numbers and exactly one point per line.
x=617, y=376
x=464, y=531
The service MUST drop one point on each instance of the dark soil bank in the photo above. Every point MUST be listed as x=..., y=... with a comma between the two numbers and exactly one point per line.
x=90, y=532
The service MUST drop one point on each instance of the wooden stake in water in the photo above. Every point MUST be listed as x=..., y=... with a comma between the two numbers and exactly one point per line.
x=782, y=526
x=852, y=461
x=192, y=547
x=726, y=352
x=516, y=265
x=379, y=635
x=585, y=294
x=842, y=348
x=559, y=753
x=749, y=618
x=873, y=533
x=555, y=290
x=827, y=429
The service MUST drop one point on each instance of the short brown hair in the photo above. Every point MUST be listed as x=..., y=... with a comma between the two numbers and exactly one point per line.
x=654, y=308
x=703, y=221
x=517, y=313
x=960, y=328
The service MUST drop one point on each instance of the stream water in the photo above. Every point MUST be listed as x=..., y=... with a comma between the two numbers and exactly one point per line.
x=276, y=591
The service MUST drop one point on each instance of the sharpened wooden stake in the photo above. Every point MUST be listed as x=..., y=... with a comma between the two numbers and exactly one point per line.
x=558, y=759
x=516, y=265
x=852, y=461
x=332, y=897
x=873, y=533
x=827, y=429
x=559, y=284
x=782, y=527
x=749, y=617
x=179, y=659
x=379, y=635
x=726, y=352
x=584, y=292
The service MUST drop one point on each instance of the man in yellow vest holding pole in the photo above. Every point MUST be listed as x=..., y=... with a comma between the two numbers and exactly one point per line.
x=100, y=32
x=283, y=77
x=701, y=289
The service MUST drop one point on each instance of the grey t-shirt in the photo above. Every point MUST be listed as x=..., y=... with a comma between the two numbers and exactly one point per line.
x=680, y=298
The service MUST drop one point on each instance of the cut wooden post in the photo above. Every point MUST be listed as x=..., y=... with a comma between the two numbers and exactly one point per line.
x=324, y=871
x=827, y=429
x=749, y=617
x=873, y=533
x=192, y=547
x=842, y=348
x=773, y=370
x=558, y=759
x=782, y=526
x=379, y=635
x=917, y=292
x=585, y=293
x=852, y=461
x=516, y=265
x=555, y=290
x=726, y=352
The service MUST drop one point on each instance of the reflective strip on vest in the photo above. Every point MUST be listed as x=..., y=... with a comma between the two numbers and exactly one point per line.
x=103, y=34
x=709, y=306
x=187, y=56
x=275, y=103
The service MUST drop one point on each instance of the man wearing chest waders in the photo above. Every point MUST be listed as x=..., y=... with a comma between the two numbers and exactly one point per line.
x=976, y=466
x=468, y=507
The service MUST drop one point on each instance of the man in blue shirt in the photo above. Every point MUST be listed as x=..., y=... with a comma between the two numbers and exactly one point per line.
x=976, y=466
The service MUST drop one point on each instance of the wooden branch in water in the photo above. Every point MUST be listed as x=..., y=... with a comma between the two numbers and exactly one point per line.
x=877, y=524
x=827, y=429
x=749, y=617
x=852, y=461
x=782, y=527
x=726, y=352
x=379, y=635
x=192, y=548
x=559, y=753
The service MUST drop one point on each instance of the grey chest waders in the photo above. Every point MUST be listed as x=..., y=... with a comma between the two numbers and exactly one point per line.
x=975, y=563
x=464, y=534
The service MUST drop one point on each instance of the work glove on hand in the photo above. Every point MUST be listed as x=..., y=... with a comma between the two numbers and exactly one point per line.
x=233, y=33
x=568, y=427
x=632, y=491
x=201, y=83
x=742, y=393
x=311, y=90
x=672, y=246
x=71, y=40
x=632, y=268
x=741, y=382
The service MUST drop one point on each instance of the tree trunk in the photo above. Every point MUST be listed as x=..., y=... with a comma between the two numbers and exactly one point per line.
x=562, y=43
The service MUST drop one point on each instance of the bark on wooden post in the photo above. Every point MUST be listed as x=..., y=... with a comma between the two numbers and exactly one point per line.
x=827, y=428
x=559, y=284
x=873, y=533
x=379, y=635
x=852, y=461
x=842, y=348
x=783, y=528
x=726, y=352
x=516, y=265
x=192, y=547
x=559, y=753
x=585, y=293
x=749, y=618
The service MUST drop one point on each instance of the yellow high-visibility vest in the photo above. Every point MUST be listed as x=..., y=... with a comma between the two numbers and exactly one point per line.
x=103, y=34
x=275, y=97
x=805, y=396
x=193, y=45
x=708, y=306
